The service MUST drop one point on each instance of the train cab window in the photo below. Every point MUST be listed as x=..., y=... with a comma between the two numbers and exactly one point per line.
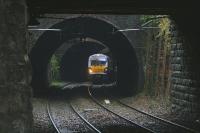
x=97, y=63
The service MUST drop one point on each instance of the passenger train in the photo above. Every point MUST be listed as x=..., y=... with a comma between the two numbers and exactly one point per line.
x=98, y=68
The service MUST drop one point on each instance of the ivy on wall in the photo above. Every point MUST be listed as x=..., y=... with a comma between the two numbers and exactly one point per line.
x=55, y=69
x=157, y=50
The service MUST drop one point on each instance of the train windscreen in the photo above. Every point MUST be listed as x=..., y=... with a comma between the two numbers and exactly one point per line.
x=98, y=63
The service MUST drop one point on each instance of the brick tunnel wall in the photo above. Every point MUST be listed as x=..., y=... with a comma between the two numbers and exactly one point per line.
x=184, y=79
x=15, y=93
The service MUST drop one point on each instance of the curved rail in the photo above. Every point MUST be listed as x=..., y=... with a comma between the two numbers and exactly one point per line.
x=183, y=128
x=51, y=118
x=97, y=102
x=89, y=124
x=158, y=118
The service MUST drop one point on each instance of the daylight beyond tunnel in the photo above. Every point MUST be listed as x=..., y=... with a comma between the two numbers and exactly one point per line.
x=122, y=50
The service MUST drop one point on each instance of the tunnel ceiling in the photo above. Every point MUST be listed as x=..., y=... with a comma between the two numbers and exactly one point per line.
x=97, y=29
x=111, y=6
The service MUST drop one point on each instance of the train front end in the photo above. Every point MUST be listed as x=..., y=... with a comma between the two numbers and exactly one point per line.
x=98, y=68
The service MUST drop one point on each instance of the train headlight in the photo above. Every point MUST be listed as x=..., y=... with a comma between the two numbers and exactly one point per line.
x=105, y=70
x=90, y=70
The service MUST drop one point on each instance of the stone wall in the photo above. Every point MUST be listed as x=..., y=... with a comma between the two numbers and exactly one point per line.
x=185, y=80
x=15, y=93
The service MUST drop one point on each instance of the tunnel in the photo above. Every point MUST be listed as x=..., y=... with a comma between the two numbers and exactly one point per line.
x=128, y=72
x=74, y=63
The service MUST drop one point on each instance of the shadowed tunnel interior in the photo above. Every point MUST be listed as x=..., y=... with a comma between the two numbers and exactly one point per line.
x=119, y=45
x=74, y=63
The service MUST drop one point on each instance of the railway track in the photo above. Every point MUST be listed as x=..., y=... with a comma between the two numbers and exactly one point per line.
x=140, y=127
x=157, y=124
x=87, y=122
x=51, y=118
x=59, y=130
x=102, y=120
x=150, y=123
x=170, y=125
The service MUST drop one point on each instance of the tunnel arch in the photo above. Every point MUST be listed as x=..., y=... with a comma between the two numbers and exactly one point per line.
x=118, y=43
x=74, y=62
x=75, y=41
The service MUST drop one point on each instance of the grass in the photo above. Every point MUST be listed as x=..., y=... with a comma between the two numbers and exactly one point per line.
x=57, y=84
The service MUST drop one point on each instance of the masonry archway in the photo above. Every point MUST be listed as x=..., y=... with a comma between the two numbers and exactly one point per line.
x=117, y=42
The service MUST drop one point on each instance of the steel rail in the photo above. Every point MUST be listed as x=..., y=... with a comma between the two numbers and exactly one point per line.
x=88, y=123
x=51, y=118
x=97, y=102
x=158, y=118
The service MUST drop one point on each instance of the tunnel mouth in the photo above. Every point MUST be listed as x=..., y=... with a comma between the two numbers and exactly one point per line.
x=74, y=63
x=69, y=63
x=128, y=72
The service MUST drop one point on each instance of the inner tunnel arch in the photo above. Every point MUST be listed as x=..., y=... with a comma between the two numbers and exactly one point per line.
x=118, y=43
x=74, y=62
